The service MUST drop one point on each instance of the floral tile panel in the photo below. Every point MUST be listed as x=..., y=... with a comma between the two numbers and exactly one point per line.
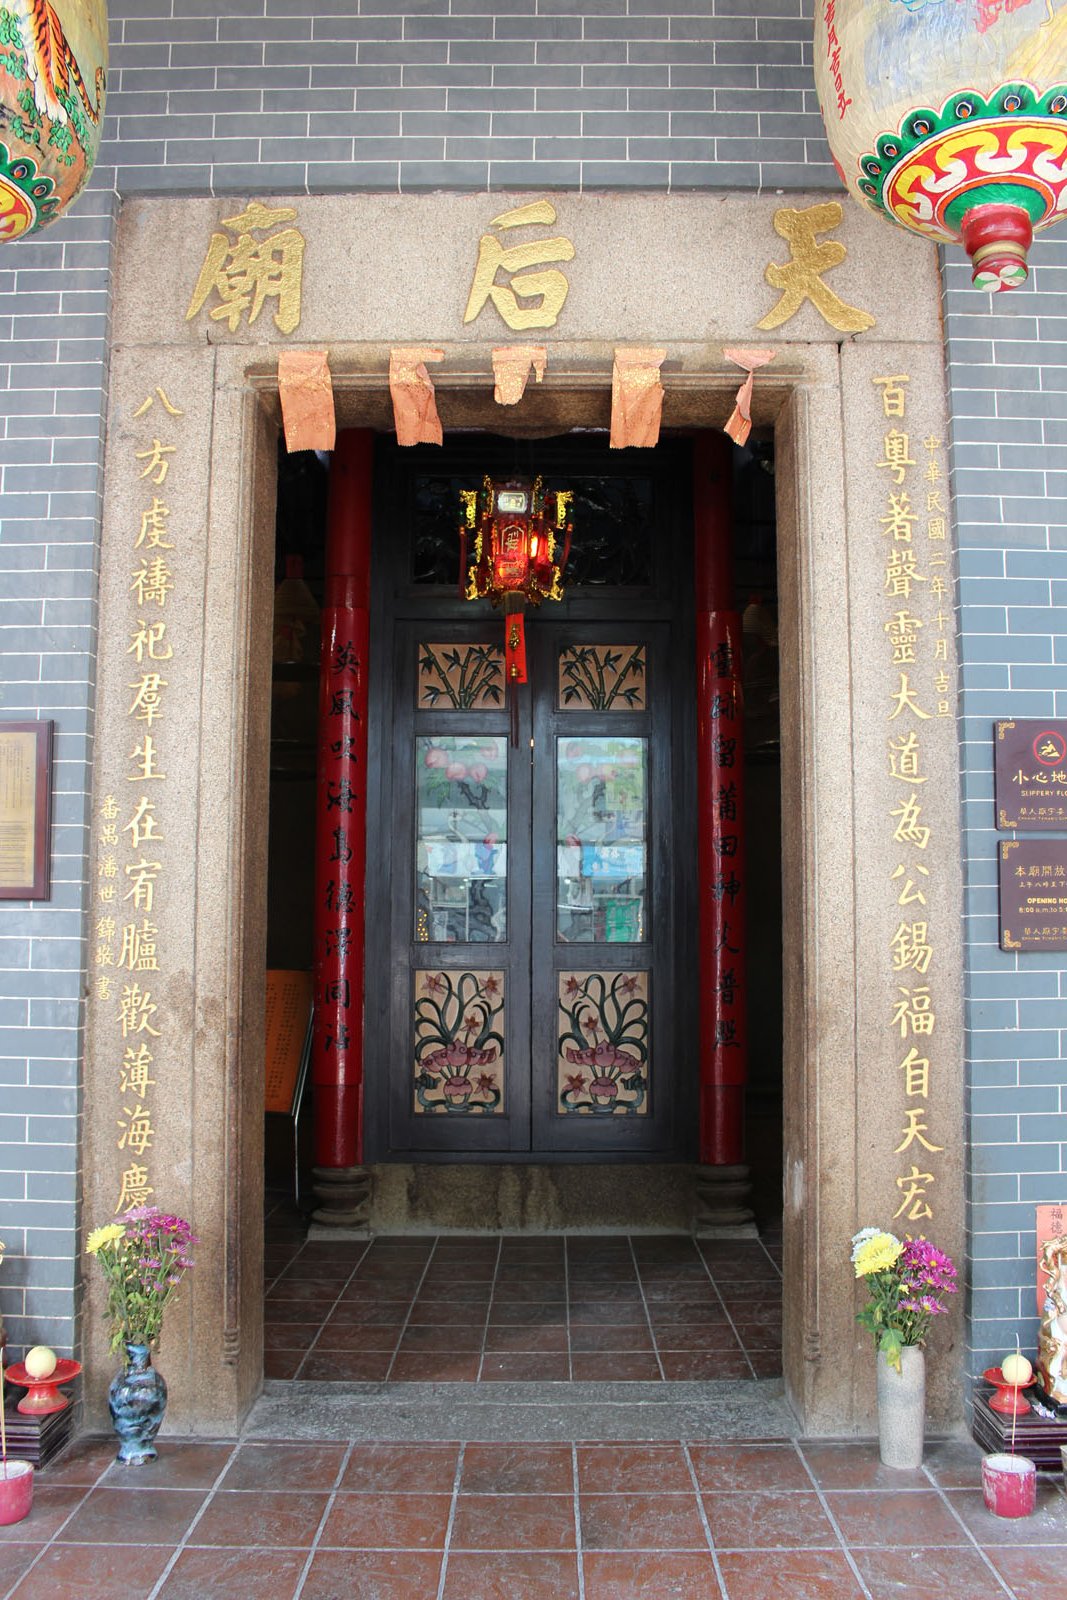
x=459, y=1043
x=603, y=1044
x=602, y=677
x=460, y=677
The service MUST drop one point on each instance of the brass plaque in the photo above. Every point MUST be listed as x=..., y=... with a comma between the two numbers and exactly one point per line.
x=25, y=809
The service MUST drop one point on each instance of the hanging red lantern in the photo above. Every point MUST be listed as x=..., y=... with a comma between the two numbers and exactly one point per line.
x=950, y=119
x=516, y=528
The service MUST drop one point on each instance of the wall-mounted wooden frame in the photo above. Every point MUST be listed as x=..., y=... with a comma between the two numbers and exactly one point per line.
x=25, y=810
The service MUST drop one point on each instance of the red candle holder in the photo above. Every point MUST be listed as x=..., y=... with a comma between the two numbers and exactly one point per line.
x=1008, y=1400
x=42, y=1394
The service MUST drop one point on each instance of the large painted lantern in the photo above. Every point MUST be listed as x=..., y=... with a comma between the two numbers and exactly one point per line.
x=53, y=60
x=950, y=118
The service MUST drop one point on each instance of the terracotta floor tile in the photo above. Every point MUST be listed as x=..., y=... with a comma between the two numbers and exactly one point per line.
x=748, y=1466
x=932, y=1575
x=527, y=1314
x=702, y=1366
x=51, y=1507
x=696, y=1336
x=757, y=1335
x=543, y=1336
x=894, y=1518
x=665, y=1313
x=290, y=1335
x=345, y=1366
x=373, y=1575
x=285, y=1466
x=954, y=1464
x=510, y=1575
x=1035, y=1573
x=387, y=1521
x=517, y=1469
x=588, y=1338
x=641, y=1522
x=765, y=1363
x=454, y=1339
x=129, y=1514
x=286, y=1519
x=81, y=1464
x=359, y=1336
x=644, y=1469
x=855, y=1465
x=616, y=1366
x=764, y=1521
x=1047, y=1524
x=179, y=1465
x=513, y=1522
x=793, y=1575
x=429, y=1366
x=400, y=1468
x=99, y=1572
x=681, y=1575
x=600, y=1310
x=224, y=1574
x=358, y=1313
x=14, y=1559
x=443, y=1314
x=549, y=1289
x=526, y=1367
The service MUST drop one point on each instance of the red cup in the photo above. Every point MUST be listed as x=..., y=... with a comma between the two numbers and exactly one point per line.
x=1009, y=1485
x=16, y=1491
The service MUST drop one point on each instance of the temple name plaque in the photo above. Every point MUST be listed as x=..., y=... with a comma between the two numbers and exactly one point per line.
x=25, y=809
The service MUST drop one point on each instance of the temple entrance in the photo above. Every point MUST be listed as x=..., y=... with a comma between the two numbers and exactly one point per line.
x=539, y=858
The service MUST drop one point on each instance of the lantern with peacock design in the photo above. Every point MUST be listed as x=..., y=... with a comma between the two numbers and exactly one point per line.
x=949, y=117
x=53, y=62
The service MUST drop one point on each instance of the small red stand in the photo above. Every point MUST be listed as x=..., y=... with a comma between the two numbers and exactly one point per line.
x=43, y=1394
x=1008, y=1398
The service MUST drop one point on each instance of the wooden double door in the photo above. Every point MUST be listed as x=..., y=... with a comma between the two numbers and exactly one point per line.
x=534, y=888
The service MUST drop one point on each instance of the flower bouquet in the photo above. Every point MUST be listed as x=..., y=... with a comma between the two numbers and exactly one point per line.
x=906, y=1280
x=144, y=1258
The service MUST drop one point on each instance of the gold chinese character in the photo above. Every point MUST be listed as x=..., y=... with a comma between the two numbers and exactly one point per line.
x=933, y=501
x=109, y=807
x=938, y=587
x=138, y=951
x=910, y=894
x=933, y=471
x=548, y=288
x=913, y=1188
x=142, y=875
x=904, y=757
x=109, y=834
x=142, y=825
x=910, y=947
x=133, y=1071
x=800, y=278
x=152, y=582
x=899, y=518
x=150, y=400
x=931, y=443
x=900, y=573
x=914, y=1012
x=104, y=956
x=908, y=829
x=108, y=868
x=904, y=699
x=147, y=642
x=893, y=393
x=153, y=527
x=915, y=1133
x=156, y=456
x=903, y=631
x=941, y=683
x=148, y=701
x=246, y=273
x=935, y=528
x=137, y=1131
x=105, y=927
x=145, y=753
x=916, y=1070
x=136, y=1010
x=134, y=1188
x=895, y=455
x=106, y=893
x=103, y=987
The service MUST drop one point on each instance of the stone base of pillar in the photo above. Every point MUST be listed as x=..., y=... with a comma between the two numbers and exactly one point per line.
x=720, y=1204
x=344, y=1196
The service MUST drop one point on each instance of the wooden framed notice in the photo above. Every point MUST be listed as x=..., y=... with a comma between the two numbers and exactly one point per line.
x=25, y=810
x=1033, y=894
x=288, y=1020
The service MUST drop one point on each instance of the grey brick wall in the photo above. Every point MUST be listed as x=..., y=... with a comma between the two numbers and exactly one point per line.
x=246, y=96
x=1008, y=369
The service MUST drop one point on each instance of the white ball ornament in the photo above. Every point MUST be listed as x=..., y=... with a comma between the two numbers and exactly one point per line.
x=40, y=1362
x=1016, y=1370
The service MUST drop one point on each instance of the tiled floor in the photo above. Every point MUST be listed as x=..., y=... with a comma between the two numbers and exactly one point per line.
x=769, y=1520
x=517, y=1308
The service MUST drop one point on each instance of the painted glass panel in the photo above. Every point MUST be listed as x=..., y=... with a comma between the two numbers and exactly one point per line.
x=460, y=677
x=601, y=840
x=461, y=825
x=602, y=677
x=459, y=1043
x=603, y=1044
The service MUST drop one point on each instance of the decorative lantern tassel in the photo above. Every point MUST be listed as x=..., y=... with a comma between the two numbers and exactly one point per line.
x=514, y=657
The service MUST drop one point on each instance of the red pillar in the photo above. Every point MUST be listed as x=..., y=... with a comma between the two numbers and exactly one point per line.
x=720, y=826
x=341, y=839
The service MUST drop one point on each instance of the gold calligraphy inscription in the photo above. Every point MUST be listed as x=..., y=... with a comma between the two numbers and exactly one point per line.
x=244, y=272
x=549, y=287
x=800, y=278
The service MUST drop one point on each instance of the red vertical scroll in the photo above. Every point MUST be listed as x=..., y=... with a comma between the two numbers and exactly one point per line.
x=341, y=831
x=720, y=813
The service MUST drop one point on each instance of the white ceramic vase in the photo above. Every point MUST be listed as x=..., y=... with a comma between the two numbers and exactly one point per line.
x=902, y=1409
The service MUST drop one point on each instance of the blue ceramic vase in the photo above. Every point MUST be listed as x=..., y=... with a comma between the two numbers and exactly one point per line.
x=137, y=1400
